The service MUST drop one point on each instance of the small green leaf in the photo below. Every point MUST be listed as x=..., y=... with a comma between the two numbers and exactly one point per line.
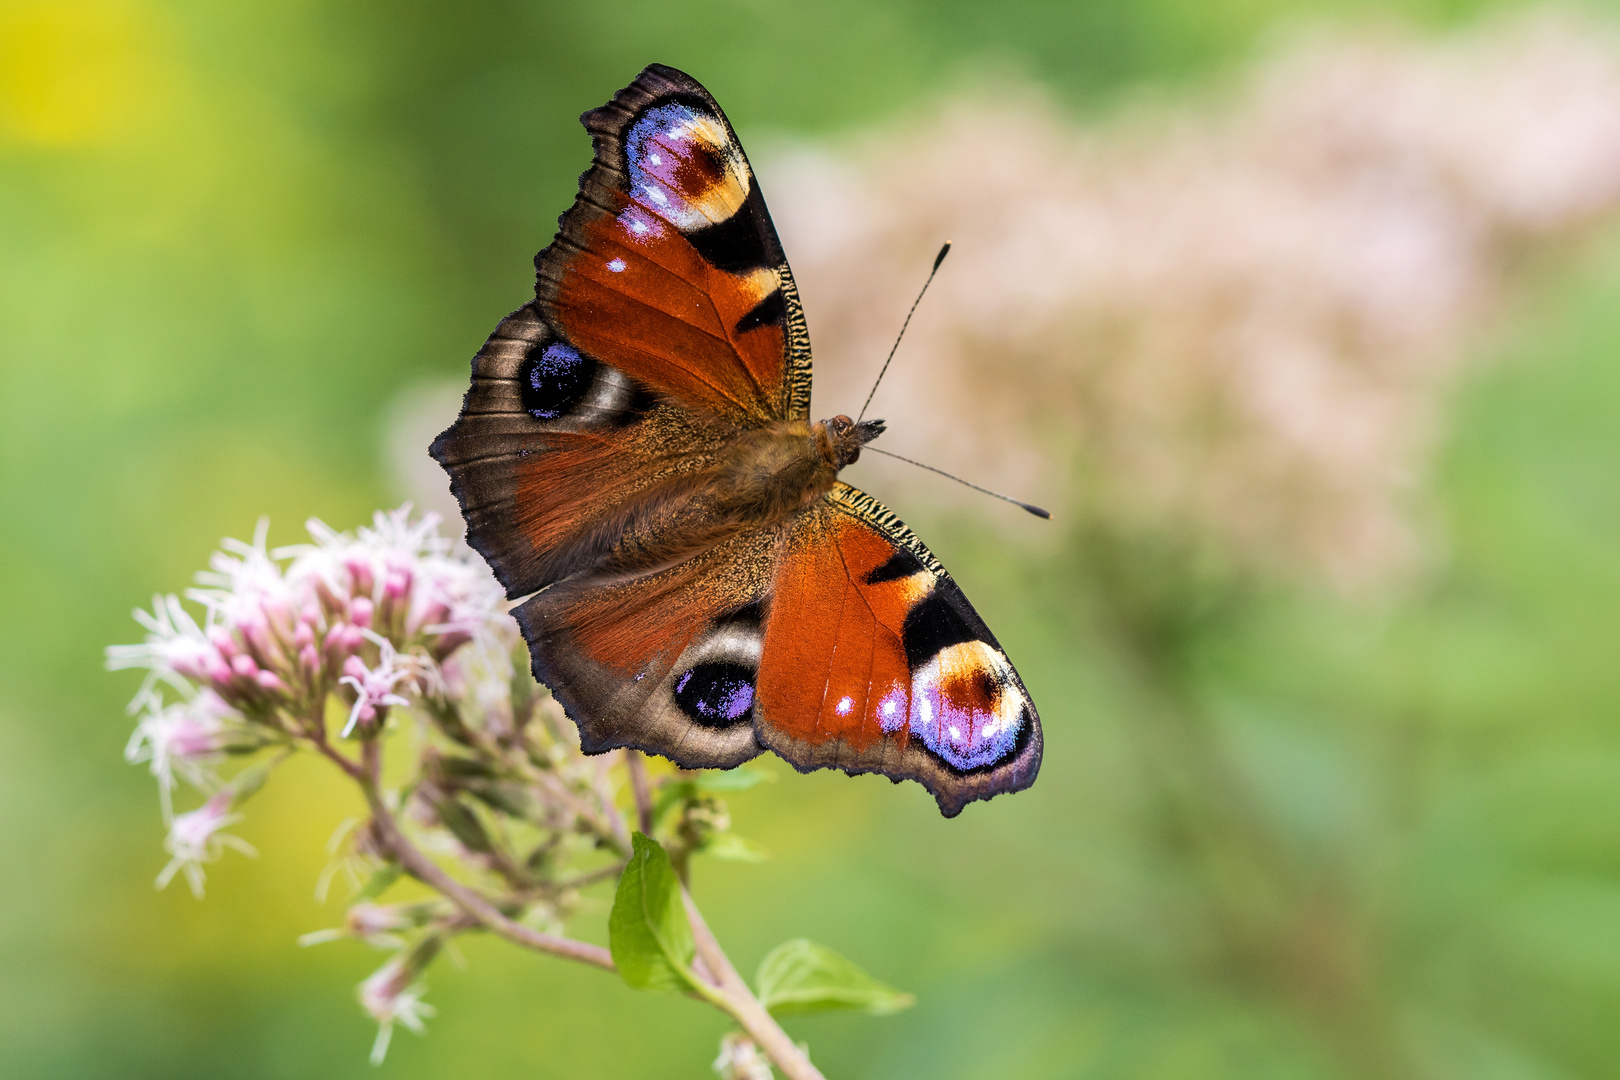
x=463, y=824
x=738, y=779
x=648, y=934
x=246, y=784
x=378, y=884
x=800, y=976
x=728, y=845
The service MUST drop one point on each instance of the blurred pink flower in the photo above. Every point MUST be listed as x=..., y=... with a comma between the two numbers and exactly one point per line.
x=393, y=995
x=194, y=838
x=187, y=738
x=1238, y=322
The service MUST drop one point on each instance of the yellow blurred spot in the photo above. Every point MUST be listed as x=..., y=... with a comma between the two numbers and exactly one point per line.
x=74, y=72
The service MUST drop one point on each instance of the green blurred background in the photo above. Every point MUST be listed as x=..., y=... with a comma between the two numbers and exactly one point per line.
x=1279, y=832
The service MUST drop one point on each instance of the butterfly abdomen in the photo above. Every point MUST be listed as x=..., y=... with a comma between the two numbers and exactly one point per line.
x=773, y=472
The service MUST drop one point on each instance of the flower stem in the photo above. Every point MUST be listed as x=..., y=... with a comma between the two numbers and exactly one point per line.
x=638, y=786
x=425, y=870
x=722, y=986
x=736, y=999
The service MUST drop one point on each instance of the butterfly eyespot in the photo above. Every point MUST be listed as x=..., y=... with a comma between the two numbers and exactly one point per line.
x=966, y=707
x=684, y=166
x=554, y=379
x=716, y=694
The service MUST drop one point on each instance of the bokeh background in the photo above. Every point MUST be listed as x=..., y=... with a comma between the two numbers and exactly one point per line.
x=1304, y=317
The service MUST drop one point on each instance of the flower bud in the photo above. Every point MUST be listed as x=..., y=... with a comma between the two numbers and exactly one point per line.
x=740, y=1059
x=360, y=577
x=222, y=640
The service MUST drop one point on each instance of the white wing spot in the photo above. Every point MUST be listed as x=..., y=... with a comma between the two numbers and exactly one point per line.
x=844, y=705
x=616, y=265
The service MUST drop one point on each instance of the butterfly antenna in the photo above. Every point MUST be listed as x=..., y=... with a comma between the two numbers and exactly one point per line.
x=944, y=251
x=1030, y=507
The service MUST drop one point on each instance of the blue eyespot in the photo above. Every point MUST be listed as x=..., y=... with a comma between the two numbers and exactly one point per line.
x=716, y=694
x=554, y=379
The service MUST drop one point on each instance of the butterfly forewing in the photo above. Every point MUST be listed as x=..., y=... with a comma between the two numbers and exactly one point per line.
x=668, y=266
x=665, y=319
x=544, y=431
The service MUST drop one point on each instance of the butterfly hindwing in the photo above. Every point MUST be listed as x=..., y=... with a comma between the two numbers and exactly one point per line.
x=839, y=642
x=874, y=661
x=666, y=662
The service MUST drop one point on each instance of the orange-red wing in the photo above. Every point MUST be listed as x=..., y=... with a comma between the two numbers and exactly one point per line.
x=874, y=661
x=654, y=308
x=834, y=659
x=668, y=267
x=664, y=662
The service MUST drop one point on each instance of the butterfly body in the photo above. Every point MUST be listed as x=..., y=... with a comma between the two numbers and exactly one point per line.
x=635, y=456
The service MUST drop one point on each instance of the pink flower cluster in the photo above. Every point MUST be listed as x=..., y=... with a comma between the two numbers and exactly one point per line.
x=1240, y=318
x=368, y=615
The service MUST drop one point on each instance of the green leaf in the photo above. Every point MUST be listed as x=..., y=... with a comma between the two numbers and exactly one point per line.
x=246, y=784
x=738, y=779
x=648, y=934
x=378, y=884
x=463, y=824
x=800, y=976
x=729, y=845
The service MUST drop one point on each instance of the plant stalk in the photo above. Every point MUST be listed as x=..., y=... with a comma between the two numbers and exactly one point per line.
x=738, y=1000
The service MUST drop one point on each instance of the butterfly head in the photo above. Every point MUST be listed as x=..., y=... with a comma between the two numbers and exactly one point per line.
x=842, y=438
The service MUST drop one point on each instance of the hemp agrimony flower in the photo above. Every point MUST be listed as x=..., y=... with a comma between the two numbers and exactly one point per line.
x=390, y=633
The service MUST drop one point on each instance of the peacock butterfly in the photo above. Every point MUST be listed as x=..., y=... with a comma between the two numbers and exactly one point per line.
x=636, y=452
